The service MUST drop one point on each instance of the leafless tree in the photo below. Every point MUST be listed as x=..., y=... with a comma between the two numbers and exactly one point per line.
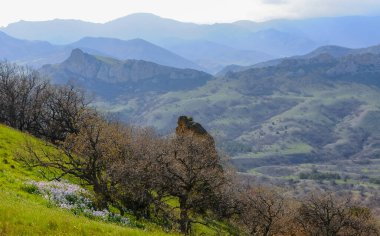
x=86, y=155
x=30, y=103
x=22, y=94
x=264, y=211
x=137, y=174
x=191, y=171
x=63, y=111
x=329, y=215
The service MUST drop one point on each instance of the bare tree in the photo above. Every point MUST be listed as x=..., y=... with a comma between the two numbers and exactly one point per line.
x=30, y=103
x=191, y=171
x=22, y=94
x=137, y=174
x=87, y=155
x=118, y=161
x=331, y=216
x=63, y=111
x=264, y=211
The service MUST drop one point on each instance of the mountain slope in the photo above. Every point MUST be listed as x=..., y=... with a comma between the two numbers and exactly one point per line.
x=29, y=52
x=111, y=77
x=337, y=51
x=137, y=49
x=272, y=41
x=317, y=106
x=214, y=56
x=280, y=122
x=320, y=110
x=332, y=50
x=38, y=53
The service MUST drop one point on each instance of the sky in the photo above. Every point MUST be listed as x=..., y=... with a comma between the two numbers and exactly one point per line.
x=198, y=11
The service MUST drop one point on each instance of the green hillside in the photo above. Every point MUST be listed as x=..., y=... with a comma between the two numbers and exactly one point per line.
x=284, y=121
x=308, y=123
x=23, y=213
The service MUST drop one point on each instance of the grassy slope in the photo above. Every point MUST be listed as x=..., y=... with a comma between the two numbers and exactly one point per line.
x=267, y=123
x=22, y=213
x=282, y=133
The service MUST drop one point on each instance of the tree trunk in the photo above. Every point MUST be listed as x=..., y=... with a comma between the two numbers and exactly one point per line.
x=184, y=217
x=101, y=199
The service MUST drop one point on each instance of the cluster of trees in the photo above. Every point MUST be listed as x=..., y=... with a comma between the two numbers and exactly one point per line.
x=175, y=181
x=316, y=175
x=169, y=179
x=32, y=104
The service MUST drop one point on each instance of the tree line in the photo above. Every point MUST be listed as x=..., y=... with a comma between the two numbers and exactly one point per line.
x=175, y=181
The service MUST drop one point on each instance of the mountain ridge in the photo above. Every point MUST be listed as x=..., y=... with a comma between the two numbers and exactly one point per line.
x=109, y=76
x=37, y=53
x=332, y=50
x=323, y=30
x=138, y=49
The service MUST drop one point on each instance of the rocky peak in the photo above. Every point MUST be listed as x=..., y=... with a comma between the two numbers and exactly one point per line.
x=82, y=64
x=186, y=126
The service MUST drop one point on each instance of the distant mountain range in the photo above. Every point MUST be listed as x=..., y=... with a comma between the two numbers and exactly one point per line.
x=277, y=37
x=137, y=49
x=203, y=55
x=38, y=53
x=188, y=45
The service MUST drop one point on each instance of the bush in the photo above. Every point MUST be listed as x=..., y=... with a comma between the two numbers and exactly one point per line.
x=316, y=175
x=30, y=188
x=73, y=198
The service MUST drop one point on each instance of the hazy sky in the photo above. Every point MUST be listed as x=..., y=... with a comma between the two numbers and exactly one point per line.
x=200, y=11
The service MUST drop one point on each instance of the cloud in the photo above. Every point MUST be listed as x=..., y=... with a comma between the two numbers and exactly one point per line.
x=317, y=8
x=199, y=11
x=299, y=9
x=274, y=1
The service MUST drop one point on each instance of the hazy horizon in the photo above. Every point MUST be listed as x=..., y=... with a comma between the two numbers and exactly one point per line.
x=209, y=12
x=184, y=21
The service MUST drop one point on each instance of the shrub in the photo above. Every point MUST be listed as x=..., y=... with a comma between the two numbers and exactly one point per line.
x=73, y=198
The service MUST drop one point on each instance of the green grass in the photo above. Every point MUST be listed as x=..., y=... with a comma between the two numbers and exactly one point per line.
x=22, y=213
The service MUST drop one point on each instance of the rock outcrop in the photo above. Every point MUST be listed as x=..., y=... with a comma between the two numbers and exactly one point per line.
x=95, y=73
x=186, y=126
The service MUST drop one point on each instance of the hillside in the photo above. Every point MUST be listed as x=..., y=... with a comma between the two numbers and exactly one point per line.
x=244, y=104
x=214, y=56
x=24, y=213
x=29, y=52
x=261, y=112
x=334, y=51
x=278, y=122
x=137, y=49
x=111, y=78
